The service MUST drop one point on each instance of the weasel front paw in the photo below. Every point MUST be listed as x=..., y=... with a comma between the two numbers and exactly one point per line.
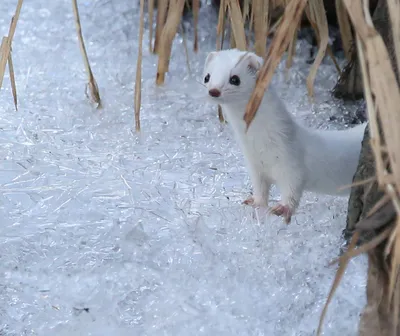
x=282, y=210
x=255, y=202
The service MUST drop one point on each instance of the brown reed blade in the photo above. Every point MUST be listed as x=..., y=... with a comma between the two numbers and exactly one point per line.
x=151, y=14
x=196, y=9
x=279, y=44
x=92, y=84
x=169, y=31
x=160, y=22
x=237, y=24
x=138, y=80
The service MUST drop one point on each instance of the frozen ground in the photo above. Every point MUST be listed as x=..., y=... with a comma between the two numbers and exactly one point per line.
x=105, y=232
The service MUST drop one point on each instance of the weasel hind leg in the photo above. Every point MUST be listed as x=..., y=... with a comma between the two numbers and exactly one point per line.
x=291, y=195
x=282, y=210
x=261, y=187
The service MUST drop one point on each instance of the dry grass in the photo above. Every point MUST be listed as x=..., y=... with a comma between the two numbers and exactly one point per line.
x=237, y=24
x=5, y=53
x=345, y=28
x=283, y=36
x=167, y=36
x=150, y=4
x=6, y=56
x=258, y=14
x=138, y=82
x=196, y=9
x=92, y=85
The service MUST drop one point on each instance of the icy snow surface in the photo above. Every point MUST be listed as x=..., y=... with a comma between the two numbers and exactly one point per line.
x=105, y=232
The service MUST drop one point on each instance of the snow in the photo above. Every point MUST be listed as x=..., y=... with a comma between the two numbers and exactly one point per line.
x=109, y=232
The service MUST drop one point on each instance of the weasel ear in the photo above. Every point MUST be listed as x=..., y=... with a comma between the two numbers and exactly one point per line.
x=210, y=57
x=254, y=62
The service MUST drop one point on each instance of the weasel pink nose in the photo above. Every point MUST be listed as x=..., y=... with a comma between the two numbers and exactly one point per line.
x=214, y=93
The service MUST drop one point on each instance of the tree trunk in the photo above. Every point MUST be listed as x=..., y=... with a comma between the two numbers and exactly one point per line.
x=377, y=316
x=362, y=197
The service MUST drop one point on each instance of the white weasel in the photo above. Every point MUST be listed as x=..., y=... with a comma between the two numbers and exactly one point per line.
x=277, y=149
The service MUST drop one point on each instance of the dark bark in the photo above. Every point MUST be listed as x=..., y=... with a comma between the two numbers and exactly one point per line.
x=362, y=197
x=359, y=201
x=377, y=316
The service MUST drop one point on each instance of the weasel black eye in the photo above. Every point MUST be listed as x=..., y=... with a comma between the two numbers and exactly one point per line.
x=207, y=78
x=234, y=80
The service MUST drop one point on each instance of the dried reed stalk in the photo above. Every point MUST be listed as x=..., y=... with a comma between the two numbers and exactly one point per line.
x=161, y=17
x=151, y=14
x=221, y=25
x=394, y=10
x=345, y=28
x=328, y=48
x=168, y=33
x=138, y=81
x=279, y=44
x=247, y=15
x=232, y=42
x=220, y=41
x=260, y=14
x=291, y=53
x=5, y=52
x=185, y=47
x=12, y=79
x=237, y=24
x=339, y=274
x=196, y=8
x=315, y=12
x=92, y=85
x=4, y=58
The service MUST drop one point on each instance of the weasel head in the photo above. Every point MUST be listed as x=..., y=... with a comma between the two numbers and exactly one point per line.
x=230, y=75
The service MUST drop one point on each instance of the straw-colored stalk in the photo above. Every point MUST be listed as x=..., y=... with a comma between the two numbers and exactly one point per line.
x=237, y=24
x=150, y=8
x=5, y=52
x=138, y=81
x=382, y=95
x=162, y=8
x=196, y=8
x=260, y=17
x=328, y=47
x=12, y=79
x=221, y=24
x=345, y=28
x=92, y=85
x=168, y=33
x=247, y=14
x=394, y=9
x=291, y=53
x=185, y=47
x=313, y=12
x=279, y=44
x=220, y=41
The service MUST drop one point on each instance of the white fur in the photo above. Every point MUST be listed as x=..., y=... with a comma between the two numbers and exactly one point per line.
x=277, y=149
